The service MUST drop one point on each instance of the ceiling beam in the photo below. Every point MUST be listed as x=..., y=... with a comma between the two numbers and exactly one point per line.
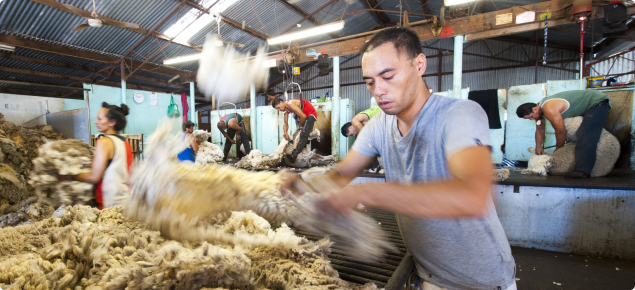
x=81, y=79
x=74, y=66
x=473, y=27
x=227, y=20
x=304, y=13
x=78, y=96
x=424, y=5
x=87, y=14
x=382, y=17
x=613, y=45
x=83, y=54
x=38, y=84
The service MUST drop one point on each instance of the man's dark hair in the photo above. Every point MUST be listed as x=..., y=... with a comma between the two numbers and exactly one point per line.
x=525, y=109
x=404, y=39
x=271, y=92
x=118, y=114
x=275, y=102
x=345, y=128
x=187, y=125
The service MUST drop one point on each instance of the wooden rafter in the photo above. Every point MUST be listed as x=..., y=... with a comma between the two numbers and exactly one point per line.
x=229, y=21
x=381, y=16
x=424, y=5
x=304, y=13
x=78, y=53
x=87, y=14
x=41, y=93
x=73, y=66
x=473, y=27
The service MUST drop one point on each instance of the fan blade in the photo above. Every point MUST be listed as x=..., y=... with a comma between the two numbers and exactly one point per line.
x=124, y=25
x=81, y=27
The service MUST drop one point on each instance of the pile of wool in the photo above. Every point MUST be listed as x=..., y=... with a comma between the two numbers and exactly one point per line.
x=255, y=158
x=175, y=199
x=84, y=248
x=501, y=175
x=607, y=153
x=538, y=164
x=13, y=188
x=208, y=153
x=26, y=141
x=63, y=157
x=227, y=74
x=25, y=212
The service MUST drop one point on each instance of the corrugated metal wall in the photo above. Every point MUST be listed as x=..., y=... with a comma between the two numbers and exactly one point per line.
x=618, y=65
x=501, y=64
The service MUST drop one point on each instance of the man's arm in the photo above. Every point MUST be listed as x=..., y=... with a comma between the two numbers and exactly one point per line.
x=359, y=121
x=466, y=195
x=296, y=110
x=540, y=136
x=557, y=122
x=285, y=127
x=193, y=143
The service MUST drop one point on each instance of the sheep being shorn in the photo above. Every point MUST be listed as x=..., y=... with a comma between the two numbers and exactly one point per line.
x=175, y=198
x=607, y=153
x=63, y=157
x=208, y=153
x=538, y=164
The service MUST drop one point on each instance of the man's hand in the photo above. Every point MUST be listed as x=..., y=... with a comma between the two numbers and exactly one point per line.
x=287, y=137
x=341, y=202
x=289, y=183
x=232, y=141
x=540, y=151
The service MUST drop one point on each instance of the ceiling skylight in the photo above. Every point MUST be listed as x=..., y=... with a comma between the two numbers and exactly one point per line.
x=199, y=23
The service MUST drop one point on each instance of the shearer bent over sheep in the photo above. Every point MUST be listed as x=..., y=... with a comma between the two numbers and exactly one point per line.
x=594, y=106
x=233, y=123
x=305, y=117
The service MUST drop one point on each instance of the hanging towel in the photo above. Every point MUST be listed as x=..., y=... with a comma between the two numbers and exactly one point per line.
x=488, y=99
x=186, y=108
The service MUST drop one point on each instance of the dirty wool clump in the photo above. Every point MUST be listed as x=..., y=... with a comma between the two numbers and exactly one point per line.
x=13, y=188
x=175, y=198
x=25, y=212
x=83, y=248
x=500, y=175
x=63, y=157
x=208, y=153
x=26, y=141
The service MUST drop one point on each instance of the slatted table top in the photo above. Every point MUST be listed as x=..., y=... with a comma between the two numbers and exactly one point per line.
x=619, y=179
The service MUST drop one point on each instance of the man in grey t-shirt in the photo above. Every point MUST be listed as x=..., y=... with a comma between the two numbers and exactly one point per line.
x=438, y=170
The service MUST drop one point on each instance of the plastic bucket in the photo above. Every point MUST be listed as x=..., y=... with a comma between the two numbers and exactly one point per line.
x=594, y=82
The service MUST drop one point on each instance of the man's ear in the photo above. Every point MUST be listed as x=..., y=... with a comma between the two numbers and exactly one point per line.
x=420, y=62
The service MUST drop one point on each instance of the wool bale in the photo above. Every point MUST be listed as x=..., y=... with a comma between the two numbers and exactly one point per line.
x=608, y=150
x=13, y=188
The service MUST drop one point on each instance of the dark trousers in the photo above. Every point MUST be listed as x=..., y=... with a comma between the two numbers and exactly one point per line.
x=244, y=138
x=588, y=136
x=304, y=135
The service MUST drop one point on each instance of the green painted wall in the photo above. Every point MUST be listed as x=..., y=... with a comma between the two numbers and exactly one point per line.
x=143, y=118
x=71, y=104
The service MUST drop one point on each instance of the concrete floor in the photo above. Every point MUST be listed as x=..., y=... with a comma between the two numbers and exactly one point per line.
x=537, y=269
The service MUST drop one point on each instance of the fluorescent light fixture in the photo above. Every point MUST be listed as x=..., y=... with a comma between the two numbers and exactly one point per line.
x=7, y=47
x=326, y=28
x=184, y=58
x=197, y=24
x=456, y=2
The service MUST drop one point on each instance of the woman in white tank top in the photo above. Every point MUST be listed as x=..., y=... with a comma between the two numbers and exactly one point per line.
x=112, y=159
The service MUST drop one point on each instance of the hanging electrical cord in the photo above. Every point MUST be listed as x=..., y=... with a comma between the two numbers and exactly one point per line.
x=544, y=57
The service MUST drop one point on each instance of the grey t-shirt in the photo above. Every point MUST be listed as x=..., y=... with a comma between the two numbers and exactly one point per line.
x=453, y=253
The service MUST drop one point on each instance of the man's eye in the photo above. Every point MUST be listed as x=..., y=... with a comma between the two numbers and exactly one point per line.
x=370, y=84
x=388, y=78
